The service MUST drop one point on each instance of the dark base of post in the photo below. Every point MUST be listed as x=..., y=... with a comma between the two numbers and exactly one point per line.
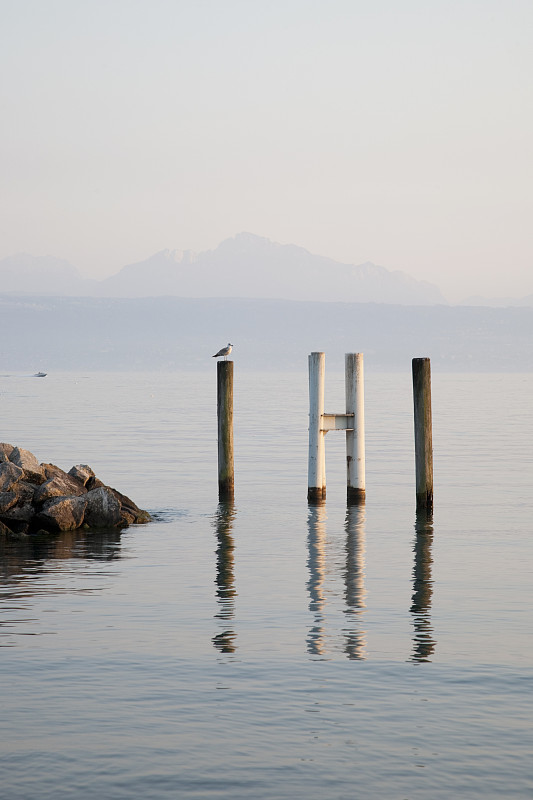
x=355, y=497
x=226, y=491
x=316, y=495
x=424, y=503
x=424, y=520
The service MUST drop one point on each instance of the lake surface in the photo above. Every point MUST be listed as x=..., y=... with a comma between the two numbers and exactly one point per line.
x=268, y=649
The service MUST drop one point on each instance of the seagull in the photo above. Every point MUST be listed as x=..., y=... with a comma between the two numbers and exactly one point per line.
x=224, y=352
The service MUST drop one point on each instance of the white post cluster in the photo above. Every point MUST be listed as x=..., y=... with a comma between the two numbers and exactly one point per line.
x=353, y=422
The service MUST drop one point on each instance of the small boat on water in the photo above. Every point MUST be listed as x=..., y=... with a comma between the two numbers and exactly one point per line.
x=40, y=375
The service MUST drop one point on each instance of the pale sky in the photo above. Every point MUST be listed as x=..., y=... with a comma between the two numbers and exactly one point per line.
x=393, y=132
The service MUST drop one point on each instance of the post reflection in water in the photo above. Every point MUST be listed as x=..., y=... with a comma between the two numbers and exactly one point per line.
x=316, y=562
x=423, y=641
x=354, y=579
x=225, y=576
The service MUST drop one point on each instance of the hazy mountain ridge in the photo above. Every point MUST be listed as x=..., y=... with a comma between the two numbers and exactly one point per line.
x=246, y=266
x=169, y=333
x=42, y=275
x=154, y=276
x=243, y=266
x=252, y=266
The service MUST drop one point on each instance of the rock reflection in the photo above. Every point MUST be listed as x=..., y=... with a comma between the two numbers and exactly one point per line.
x=316, y=562
x=423, y=641
x=225, y=640
x=354, y=580
x=24, y=560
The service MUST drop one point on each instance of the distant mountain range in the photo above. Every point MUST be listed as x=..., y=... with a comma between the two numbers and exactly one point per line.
x=276, y=303
x=244, y=266
x=23, y=273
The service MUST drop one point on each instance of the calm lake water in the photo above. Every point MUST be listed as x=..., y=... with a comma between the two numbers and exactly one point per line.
x=268, y=649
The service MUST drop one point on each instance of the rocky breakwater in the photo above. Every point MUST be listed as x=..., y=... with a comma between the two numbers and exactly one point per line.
x=39, y=498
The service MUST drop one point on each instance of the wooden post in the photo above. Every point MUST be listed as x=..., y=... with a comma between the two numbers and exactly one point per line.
x=316, y=481
x=355, y=439
x=423, y=433
x=226, y=480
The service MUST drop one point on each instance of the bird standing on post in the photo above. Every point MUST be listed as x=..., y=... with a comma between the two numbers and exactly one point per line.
x=225, y=351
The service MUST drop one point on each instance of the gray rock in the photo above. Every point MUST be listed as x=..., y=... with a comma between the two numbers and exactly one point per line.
x=10, y=474
x=62, y=514
x=22, y=512
x=50, y=470
x=7, y=500
x=142, y=517
x=82, y=472
x=33, y=471
x=24, y=491
x=5, y=451
x=21, y=509
x=59, y=485
x=103, y=509
x=94, y=483
x=37, y=497
x=131, y=513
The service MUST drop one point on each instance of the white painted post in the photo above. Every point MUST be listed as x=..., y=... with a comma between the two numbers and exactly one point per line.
x=355, y=438
x=316, y=481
